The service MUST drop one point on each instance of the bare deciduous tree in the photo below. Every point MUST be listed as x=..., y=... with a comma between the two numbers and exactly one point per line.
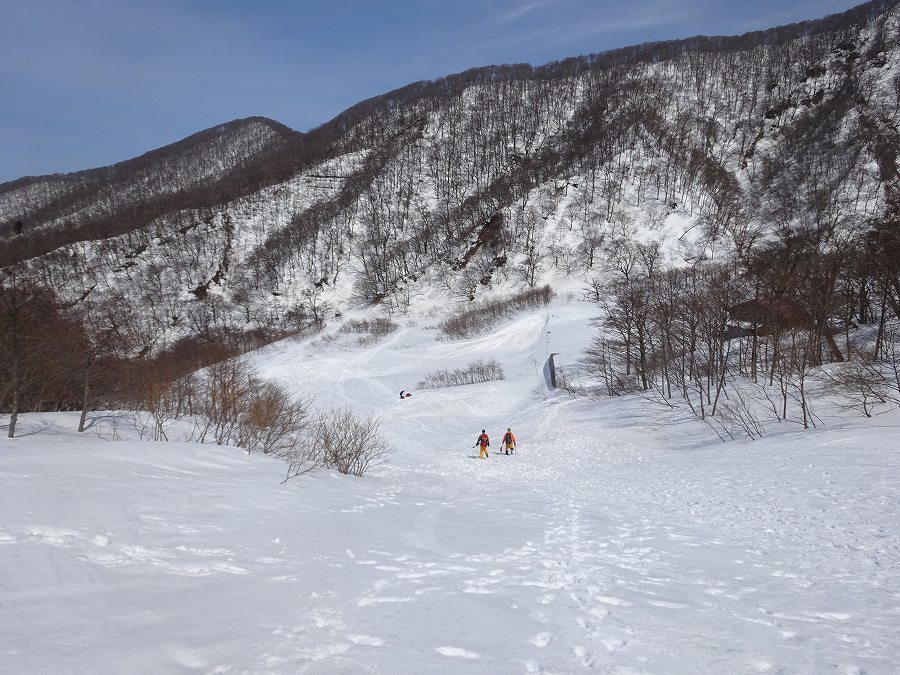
x=349, y=444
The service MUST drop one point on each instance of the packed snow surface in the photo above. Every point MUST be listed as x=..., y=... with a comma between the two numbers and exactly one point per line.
x=612, y=540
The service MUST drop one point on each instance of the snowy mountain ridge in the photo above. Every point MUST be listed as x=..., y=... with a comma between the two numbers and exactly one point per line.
x=493, y=179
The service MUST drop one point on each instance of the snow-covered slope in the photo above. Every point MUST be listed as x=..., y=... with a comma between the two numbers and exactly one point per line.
x=610, y=541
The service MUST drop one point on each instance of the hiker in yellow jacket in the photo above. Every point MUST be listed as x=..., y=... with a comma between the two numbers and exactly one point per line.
x=509, y=441
x=482, y=442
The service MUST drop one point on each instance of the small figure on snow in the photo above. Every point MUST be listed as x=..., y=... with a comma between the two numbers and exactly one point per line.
x=404, y=394
x=484, y=443
x=509, y=441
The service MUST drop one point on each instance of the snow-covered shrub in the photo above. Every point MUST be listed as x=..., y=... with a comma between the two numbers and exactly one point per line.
x=369, y=331
x=224, y=388
x=738, y=416
x=480, y=371
x=476, y=320
x=162, y=403
x=272, y=421
x=863, y=383
x=376, y=327
x=346, y=443
x=234, y=406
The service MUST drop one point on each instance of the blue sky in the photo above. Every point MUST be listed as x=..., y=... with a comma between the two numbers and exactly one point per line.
x=92, y=82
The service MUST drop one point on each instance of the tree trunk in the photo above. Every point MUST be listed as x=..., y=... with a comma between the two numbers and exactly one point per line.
x=882, y=322
x=13, y=412
x=754, y=352
x=84, y=403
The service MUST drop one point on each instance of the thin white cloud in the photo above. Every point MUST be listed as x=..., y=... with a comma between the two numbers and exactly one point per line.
x=524, y=10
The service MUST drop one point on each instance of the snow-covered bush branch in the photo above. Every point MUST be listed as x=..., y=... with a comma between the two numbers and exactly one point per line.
x=479, y=371
x=481, y=318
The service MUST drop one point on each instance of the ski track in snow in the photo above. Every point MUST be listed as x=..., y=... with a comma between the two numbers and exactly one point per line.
x=591, y=548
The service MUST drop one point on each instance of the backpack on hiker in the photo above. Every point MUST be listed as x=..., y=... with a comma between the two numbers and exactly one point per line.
x=482, y=442
x=509, y=442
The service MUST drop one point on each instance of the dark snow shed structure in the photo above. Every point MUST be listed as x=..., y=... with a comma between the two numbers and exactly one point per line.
x=772, y=317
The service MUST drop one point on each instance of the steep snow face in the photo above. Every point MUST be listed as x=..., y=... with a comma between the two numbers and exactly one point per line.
x=609, y=541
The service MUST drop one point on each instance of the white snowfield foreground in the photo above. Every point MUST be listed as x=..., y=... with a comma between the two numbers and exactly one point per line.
x=607, y=543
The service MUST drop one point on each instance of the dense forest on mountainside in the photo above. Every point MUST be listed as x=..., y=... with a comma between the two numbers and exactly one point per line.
x=733, y=202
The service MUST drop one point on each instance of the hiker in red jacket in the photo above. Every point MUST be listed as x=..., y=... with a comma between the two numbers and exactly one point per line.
x=484, y=443
x=509, y=441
